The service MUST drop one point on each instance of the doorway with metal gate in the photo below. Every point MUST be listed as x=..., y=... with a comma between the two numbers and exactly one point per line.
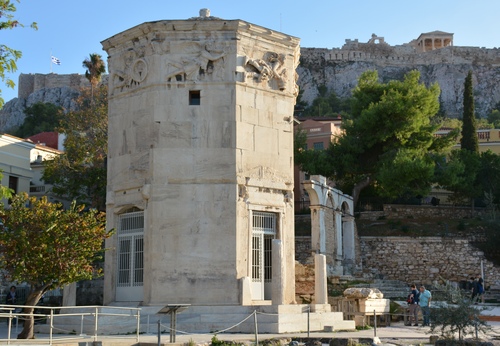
x=130, y=275
x=263, y=233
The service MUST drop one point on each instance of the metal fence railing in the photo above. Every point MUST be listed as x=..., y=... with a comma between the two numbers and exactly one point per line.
x=14, y=314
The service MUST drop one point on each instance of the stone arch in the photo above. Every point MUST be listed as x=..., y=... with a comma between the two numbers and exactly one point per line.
x=332, y=225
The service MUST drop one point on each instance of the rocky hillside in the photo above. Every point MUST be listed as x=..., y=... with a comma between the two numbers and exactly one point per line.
x=447, y=67
x=12, y=114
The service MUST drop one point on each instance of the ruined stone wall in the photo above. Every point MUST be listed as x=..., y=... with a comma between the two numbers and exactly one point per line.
x=424, y=259
x=401, y=211
x=404, y=54
x=420, y=260
x=303, y=249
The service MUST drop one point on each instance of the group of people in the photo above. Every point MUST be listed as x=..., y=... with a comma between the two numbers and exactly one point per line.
x=419, y=300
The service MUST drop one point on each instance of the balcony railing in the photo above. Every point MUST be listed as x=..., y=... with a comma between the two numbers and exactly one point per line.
x=37, y=189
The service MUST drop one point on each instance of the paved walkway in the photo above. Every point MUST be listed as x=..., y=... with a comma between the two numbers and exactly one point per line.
x=397, y=334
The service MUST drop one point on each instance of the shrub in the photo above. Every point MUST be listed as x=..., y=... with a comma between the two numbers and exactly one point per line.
x=456, y=314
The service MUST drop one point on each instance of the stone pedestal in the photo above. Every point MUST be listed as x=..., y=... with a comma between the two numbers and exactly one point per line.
x=69, y=295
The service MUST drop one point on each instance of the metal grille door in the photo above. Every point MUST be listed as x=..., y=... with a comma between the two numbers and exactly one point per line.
x=130, y=256
x=263, y=233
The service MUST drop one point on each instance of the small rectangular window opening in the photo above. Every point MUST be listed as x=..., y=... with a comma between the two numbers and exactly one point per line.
x=194, y=97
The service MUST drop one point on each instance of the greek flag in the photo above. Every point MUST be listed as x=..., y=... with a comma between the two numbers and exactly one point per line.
x=55, y=60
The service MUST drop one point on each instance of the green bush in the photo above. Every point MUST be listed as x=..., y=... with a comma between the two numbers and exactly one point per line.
x=456, y=315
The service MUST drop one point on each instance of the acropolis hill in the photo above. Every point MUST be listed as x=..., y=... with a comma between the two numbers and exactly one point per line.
x=433, y=54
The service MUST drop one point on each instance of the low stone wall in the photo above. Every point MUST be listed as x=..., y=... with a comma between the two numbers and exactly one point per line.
x=416, y=260
x=401, y=211
x=424, y=259
x=302, y=249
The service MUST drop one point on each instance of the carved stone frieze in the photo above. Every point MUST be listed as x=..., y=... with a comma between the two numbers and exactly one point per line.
x=200, y=61
x=270, y=69
x=130, y=73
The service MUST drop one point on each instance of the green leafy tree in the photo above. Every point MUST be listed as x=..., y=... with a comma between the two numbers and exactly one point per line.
x=454, y=314
x=9, y=56
x=451, y=123
x=95, y=68
x=388, y=140
x=326, y=104
x=469, y=139
x=80, y=173
x=490, y=243
x=311, y=160
x=40, y=117
x=48, y=247
x=5, y=192
x=460, y=175
x=471, y=176
x=494, y=118
x=489, y=175
x=483, y=124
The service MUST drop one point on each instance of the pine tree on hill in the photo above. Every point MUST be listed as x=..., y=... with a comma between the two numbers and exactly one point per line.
x=469, y=139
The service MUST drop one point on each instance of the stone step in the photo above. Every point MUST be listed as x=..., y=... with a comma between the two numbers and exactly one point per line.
x=270, y=319
x=389, y=282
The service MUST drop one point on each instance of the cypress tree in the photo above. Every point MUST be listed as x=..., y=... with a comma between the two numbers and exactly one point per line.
x=469, y=135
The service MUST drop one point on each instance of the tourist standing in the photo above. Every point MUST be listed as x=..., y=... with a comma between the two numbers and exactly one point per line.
x=476, y=286
x=11, y=298
x=480, y=289
x=424, y=298
x=413, y=305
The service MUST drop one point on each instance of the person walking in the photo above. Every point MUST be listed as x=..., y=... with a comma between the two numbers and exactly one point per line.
x=425, y=297
x=413, y=305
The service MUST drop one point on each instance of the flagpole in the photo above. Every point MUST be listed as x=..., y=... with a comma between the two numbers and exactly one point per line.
x=51, y=61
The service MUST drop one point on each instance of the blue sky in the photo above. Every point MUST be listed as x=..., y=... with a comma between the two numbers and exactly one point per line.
x=72, y=29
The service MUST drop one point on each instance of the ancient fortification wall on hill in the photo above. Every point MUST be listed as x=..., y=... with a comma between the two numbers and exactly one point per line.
x=58, y=89
x=29, y=83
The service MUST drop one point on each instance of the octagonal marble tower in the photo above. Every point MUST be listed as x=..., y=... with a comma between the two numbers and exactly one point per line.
x=200, y=163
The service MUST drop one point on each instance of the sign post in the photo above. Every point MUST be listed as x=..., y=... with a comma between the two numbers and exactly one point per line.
x=172, y=310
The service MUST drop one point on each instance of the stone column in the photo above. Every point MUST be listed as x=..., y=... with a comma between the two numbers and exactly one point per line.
x=348, y=237
x=320, y=282
x=318, y=231
x=349, y=244
x=338, y=251
x=338, y=228
x=278, y=293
